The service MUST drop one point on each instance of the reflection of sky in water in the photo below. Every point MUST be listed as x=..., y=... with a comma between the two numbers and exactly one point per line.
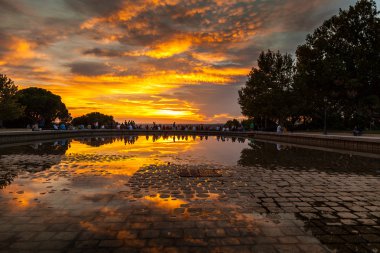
x=190, y=149
x=109, y=162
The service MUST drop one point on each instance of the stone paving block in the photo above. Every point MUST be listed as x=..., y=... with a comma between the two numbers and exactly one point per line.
x=216, y=232
x=126, y=250
x=43, y=236
x=171, y=233
x=194, y=233
x=193, y=242
x=65, y=235
x=287, y=239
x=272, y=232
x=292, y=230
x=287, y=248
x=347, y=215
x=157, y=242
x=86, y=244
x=263, y=249
x=371, y=238
x=53, y=245
x=312, y=248
x=24, y=245
x=229, y=249
x=111, y=243
x=304, y=239
x=146, y=234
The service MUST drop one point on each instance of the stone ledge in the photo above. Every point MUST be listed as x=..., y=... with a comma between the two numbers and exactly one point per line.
x=354, y=143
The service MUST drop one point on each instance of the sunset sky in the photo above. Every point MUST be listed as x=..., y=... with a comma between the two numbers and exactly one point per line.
x=165, y=61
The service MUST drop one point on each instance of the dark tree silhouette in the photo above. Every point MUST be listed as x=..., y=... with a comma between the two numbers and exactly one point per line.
x=9, y=108
x=41, y=104
x=91, y=118
x=340, y=63
x=268, y=90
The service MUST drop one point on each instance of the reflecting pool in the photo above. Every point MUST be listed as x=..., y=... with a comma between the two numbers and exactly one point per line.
x=186, y=193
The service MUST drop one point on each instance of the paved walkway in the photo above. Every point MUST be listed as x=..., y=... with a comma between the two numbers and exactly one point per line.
x=372, y=135
x=85, y=208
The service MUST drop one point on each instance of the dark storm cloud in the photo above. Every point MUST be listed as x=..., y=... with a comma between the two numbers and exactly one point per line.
x=10, y=6
x=215, y=27
x=4, y=42
x=104, y=52
x=182, y=63
x=94, y=7
x=203, y=20
x=89, y=68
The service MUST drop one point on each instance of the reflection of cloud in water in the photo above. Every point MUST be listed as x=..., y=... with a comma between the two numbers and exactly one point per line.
x=27, y=193
x=141, y=147
x=167, y=203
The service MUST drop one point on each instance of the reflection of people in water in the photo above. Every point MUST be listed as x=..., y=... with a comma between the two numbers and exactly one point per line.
x=130, y=139
x=278, y=146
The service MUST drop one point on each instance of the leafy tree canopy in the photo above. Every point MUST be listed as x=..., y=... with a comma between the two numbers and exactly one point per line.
x=232, y=123
x=267, y=90
x=340, y=62
x=9, y=108
x=91, y=118
x=41, y=104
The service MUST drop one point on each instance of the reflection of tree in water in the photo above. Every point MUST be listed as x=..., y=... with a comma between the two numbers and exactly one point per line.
x=233, y=139
x=30, y=158
x=131, y=139
x=271, y=155
x=58, y=147
x=100, y=141
x=96, y=141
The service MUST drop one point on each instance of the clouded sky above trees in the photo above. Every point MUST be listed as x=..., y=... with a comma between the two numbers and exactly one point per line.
x=142, y=60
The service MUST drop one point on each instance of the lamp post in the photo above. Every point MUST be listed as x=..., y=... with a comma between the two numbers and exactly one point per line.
x=325, y=118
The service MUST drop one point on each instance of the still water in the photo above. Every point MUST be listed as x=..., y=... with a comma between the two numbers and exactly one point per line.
x=186, y=192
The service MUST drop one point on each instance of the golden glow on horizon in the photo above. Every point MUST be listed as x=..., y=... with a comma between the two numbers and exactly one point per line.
x=98, y=94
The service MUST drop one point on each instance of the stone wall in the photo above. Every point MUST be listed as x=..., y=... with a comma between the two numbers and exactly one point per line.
x=354, y=143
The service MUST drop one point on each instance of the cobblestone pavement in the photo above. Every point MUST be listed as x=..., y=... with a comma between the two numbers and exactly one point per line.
x=76, y=207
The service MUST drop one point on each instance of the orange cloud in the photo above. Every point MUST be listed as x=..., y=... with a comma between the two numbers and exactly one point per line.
x=19, y=50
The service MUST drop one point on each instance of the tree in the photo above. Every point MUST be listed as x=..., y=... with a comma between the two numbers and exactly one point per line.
x=267, y=93
x=42, y=105
x=232, y=123
x=339, y=65
x=9, y=108
x=91, y=118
